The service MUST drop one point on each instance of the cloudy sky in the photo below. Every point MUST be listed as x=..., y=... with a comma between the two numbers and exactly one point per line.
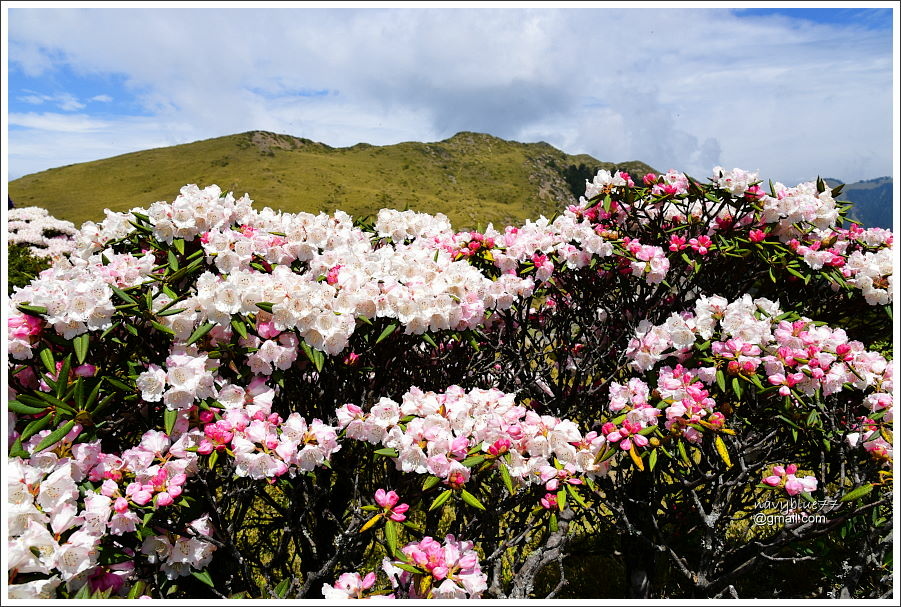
x=792, y=93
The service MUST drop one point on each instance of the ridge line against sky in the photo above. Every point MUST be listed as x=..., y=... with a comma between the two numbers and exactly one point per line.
x=793, y=93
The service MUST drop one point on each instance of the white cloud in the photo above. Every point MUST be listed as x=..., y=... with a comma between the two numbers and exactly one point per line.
x=101, y=98
x=57, y=123
x=675, y=88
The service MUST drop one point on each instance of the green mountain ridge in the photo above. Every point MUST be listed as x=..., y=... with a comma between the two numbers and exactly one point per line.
x=872, y=200
x=473, y=178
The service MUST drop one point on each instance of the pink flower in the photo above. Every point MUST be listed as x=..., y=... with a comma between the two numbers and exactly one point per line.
x=757, y=235
x=677, y=243
x=387, y=500
x=549, y=501
x=701, y=244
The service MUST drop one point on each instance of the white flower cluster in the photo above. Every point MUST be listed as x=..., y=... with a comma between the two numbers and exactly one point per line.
x=802, y=203
x=872, y=273
x=400, y=226
x=45, y=235
x=573, y=240
x=736, y=181
x=76, y=293
x=447, y=426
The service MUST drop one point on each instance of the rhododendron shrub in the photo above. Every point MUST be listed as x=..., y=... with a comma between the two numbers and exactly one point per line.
x=206, y=399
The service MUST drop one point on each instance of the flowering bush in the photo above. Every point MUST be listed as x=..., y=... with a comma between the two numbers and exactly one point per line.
x=210, y=400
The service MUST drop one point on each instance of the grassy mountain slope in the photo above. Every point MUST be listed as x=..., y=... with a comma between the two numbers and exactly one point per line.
x=472, y=178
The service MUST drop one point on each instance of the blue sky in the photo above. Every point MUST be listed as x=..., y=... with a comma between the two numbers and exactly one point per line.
x=793, y=93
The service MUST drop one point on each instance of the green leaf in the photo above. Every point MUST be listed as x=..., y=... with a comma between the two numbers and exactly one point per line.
x=387, y=452
x=553, y=522
x=179, y=244
x=240, y=329
x=137, y=590
x=33, y=310
x=17, y=407
x=81, y=344
x=721, y=380
x=169, y=418
x=36, y=426
x=281, y=591
x=470, y=499
x=55, y=436
x=162, y=328
x=391, y=535
x=265, y=306
x=170, y=312
x=473, y=461
x=505, y=476
x=84, y=592
x=47, y=358
x=429, y=340
x=736, y=387
x=439, y=501
x=571, y=489
x=386, y=332
x=62, y=378
x=204, y=576
x=430, y=482
x=857, y=493
x=123, y=295
x=652, y=459
x=200, y=331
x=16, y=450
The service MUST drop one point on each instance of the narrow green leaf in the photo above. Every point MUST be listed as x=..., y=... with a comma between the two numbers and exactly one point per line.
x=136, y=590
x=652, y=459
x=55, y=436
x=407, y=567
x=281, y=591
x=16, y=450
x=33, y=310
x=429, y=340
x=439, y=501
x=47, y=358
x=200, y=331
x=391, y=535
x=179, y=244
x=36, y=426
x=204, y=576
x=473, y=461
x=79, y=393
x=505, y=476
x=84, y=592
x=736, y=387
x=265, y=306
x=123, y=295
x=386, y=332
x=162, y=328
x=62, y=378
x=169, y=418
x=17, y=407
x=170, y=312
x=81, y=344
x=388, y=452
x=430, y=482
x=857, y=493
x=553, y=522
x=240, y=328
x=721, y=380
x=571, y=489
x=470, y=499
